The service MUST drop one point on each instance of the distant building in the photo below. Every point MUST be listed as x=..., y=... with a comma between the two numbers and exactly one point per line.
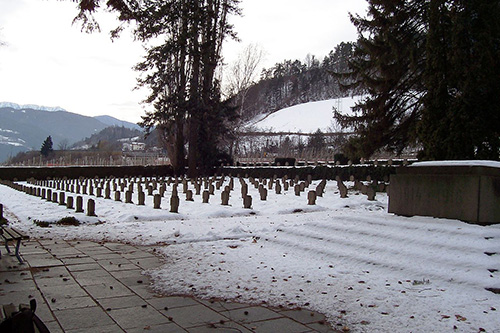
x=133, y=146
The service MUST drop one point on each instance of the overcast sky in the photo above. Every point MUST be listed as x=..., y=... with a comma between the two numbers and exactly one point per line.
x=48, y=61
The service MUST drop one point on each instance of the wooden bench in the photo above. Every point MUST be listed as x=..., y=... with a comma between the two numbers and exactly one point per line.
x=10, y=234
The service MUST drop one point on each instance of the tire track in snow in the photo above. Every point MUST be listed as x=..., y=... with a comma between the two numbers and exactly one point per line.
x=372, y=242
x=428, y=225
x=417, y=236
x=411, y=262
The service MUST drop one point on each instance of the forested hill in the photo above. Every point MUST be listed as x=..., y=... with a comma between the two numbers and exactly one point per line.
x=294, y=82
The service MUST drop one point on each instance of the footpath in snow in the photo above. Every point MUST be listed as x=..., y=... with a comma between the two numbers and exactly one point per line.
x=347, y=258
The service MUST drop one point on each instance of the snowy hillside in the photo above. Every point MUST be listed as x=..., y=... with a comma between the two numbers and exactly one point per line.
x=307, y=117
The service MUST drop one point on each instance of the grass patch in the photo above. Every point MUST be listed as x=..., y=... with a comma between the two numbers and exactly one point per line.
x=68, y=220
x=42, y=224
x=65, y=221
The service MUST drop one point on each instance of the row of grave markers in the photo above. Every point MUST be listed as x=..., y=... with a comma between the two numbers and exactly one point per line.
x=96, y=187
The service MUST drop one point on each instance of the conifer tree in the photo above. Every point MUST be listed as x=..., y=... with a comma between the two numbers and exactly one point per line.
x=47, y=147
x=461, y=118
x=387, y=67
x=431, y=72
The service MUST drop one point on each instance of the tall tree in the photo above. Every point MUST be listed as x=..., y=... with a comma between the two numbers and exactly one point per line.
x=430, y=70
x=389, y=72
x=433, y=127
x=180, y=70
x=461, y=119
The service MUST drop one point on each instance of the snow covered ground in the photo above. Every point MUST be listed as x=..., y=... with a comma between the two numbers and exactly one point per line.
x=347, y=258
x=307, y=117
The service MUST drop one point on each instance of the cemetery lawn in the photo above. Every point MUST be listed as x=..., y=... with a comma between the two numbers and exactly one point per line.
x=347, y=258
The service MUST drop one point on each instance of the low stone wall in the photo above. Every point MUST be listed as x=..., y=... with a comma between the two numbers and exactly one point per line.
x=42, y=173
x=469, y=193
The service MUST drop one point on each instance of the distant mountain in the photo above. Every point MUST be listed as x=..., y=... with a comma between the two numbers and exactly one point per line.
x=29, y=106
x=112, y=121
x=26, y=127
x=111, y=138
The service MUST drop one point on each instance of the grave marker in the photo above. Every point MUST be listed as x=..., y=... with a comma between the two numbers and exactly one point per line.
x=157, y=201
x=206, y=196
x=141, y=198
x=79, y=204
x=174, y=204
x=91, y=207
x=247, y=202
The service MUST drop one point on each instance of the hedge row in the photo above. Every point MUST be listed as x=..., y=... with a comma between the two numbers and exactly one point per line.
x=360, y=172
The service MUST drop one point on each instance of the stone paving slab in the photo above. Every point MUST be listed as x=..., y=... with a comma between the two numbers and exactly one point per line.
x=166, y=303
x=278, y=325
x=204, y=316
x=123, y=302
x=163, y=328
x=305, y=316
x=83, y=318
x=137, y=317
x=105, y=290
x=81, y=284
x=77, y=260
x=224, y=327
x=72, y=303
x=251, y=314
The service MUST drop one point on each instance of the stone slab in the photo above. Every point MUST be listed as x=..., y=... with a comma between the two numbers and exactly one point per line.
x=63, y=291
x=72, y=303
x=278, y=325
x=304, y=316
x=184, y=317
x=121, y=302
x=171, y=302
x=170, y=328
x=105, y=290
x=72, y=319
x=137, y=317
x=251, y=314
x=84, y=267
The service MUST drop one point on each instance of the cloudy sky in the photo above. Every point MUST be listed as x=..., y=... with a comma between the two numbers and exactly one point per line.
x=47, y=61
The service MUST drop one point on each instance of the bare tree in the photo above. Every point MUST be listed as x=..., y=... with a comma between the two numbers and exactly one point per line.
x=63, y=145
x=242, y=74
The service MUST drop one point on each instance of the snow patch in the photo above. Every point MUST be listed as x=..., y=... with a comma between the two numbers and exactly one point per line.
x=468, y=163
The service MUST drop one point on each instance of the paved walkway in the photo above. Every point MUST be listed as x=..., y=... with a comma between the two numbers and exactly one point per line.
x=83, y=286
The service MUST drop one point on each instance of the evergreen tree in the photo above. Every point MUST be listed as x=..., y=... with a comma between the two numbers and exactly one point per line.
x=434, y=126
x=47, y=147
x=388, y=67
x=430, y=70
x=462, y=114
x=317, y=141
